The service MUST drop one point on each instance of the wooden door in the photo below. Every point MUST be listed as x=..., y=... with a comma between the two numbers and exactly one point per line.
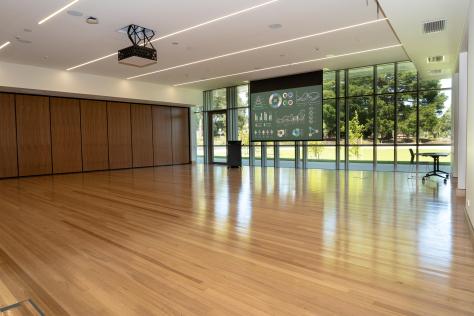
x=34, y=135
x=66, y=135
x=8, y=150
x=95, y=148
x=162, y=135
x=120, y=135
x=180, y=123
x=142, y=135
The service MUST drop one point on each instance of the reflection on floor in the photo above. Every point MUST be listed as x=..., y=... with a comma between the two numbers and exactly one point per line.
x=421, y=168
x=199, y=240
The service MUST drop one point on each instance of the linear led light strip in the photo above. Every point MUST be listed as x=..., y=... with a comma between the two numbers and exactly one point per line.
x=290, y=64
x=184, y=30
x=260, y=47
x=4, y=45
x=57, y=12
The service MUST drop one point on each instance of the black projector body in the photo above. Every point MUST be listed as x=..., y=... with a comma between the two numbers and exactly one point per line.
x=138, y=56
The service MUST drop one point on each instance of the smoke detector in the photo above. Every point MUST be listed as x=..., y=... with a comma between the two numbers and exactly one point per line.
x=92, y=20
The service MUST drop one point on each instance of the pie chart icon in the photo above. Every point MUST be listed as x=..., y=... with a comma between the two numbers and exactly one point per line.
x=275, y=100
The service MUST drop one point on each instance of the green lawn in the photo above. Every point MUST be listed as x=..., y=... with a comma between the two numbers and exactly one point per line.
x=365, y=154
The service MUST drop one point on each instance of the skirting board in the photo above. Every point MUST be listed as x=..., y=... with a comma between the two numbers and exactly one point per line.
x=470, y=226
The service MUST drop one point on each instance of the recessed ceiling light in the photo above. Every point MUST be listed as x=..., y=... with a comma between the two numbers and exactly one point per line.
x=282, y=55
x=216, y=19
x=259, y=47
x=175, y=43
x=93, y=61
x=275, y=26
x=28, y=30
x=186, y=29
x=290, y=64
x=57, y=12
x=92, y=20
x=4, y=45
x=74, y=13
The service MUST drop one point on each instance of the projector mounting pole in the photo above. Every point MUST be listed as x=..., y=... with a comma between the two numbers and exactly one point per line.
x=142, y=52
x=140, y=36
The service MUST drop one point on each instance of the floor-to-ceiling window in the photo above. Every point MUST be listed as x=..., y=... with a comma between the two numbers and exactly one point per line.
x=374, y=118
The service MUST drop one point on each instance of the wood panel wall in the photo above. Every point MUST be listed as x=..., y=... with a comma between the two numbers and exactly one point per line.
x=66, y=135
x=142, y=135
x=95, y=143
x=34, y=135
x=180, y=135
x=41, y=135
x=8, y=152
x=120, y=135
x=162, y=136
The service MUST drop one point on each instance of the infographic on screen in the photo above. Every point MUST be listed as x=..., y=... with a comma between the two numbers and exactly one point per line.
x=287, y=115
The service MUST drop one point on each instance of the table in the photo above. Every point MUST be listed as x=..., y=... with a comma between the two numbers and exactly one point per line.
x=436, y=171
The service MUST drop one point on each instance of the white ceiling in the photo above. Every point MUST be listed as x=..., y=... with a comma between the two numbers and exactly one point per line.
x=66, y=41
x=407, y=18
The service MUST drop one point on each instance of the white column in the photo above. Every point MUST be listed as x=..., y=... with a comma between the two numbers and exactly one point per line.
x=454, y=125
x=461, y=128
x=470, y=119
x=192, y=134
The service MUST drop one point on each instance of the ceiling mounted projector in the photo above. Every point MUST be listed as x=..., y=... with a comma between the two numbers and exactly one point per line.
x=142, y=53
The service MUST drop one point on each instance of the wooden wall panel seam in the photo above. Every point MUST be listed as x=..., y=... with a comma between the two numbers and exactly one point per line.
x=16, y=140
x=152, y=136
x=131, y=133
x=173, y=142
x=50, y=136
x=80, y=126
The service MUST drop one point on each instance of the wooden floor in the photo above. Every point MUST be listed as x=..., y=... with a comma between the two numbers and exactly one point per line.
x=203, y=240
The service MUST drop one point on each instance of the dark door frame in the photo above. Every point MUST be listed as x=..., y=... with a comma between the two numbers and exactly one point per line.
x=211, y=136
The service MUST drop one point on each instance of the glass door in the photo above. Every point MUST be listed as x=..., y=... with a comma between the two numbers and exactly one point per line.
x=218, y=137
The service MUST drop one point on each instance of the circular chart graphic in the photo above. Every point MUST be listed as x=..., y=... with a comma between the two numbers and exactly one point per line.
x=296, y=132
x=275, y=100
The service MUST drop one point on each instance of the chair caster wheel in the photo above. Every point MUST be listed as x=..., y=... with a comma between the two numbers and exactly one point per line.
x=445, y=181
x=447, y=176
x=423, y=180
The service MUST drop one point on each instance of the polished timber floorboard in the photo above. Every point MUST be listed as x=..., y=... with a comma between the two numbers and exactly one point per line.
x=203, y=240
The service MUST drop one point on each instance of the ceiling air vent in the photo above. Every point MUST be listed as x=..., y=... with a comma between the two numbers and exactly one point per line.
x=434, y=26
x=435, y=59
